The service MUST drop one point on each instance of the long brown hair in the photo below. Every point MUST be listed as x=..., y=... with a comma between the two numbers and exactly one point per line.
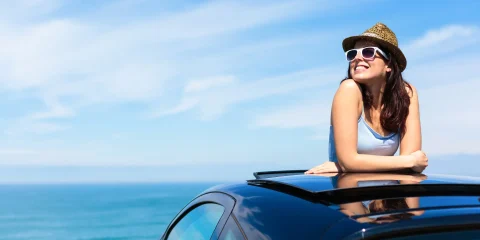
x=385, y=205
x=378, y=206
x=395, y=99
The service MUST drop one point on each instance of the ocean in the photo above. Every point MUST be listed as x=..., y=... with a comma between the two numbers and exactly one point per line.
x=92, y=211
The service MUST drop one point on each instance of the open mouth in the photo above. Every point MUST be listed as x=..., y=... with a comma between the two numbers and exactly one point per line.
x=361, y=67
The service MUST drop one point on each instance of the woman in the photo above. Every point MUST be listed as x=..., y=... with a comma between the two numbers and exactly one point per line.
x=374, y=111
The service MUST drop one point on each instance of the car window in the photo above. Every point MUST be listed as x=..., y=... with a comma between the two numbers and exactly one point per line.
x=231, y=231
x=199, y=223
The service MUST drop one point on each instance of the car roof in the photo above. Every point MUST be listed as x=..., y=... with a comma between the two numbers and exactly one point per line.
x=292, y=191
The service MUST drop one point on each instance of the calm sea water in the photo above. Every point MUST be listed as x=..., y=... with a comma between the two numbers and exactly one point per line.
x=108, y=211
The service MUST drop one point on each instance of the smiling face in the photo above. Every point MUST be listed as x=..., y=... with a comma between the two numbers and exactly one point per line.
x=364, y=70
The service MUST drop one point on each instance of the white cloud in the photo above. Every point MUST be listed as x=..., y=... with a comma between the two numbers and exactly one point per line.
x=212, y=104
x=305, y=115
x=15, y=152
x=37, y=127
x=227, y=16
x=438, y=71
x=314, y=115
x=215, y=103
x=441, y=41
x=88, y=62
x=100, y=153
x=204, y=84
x=439, y=36
x=449, y=115
x=27, y=10
x=185, y=105
x=56, y=110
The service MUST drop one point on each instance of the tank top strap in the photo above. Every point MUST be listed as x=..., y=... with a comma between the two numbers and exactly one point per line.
x=362, y=114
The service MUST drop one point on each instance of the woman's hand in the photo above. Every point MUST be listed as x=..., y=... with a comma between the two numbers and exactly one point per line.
x=415, y=178
x=326, y=167
x=420, y=161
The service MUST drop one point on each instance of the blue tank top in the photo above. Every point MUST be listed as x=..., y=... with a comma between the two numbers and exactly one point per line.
x=375, y=183
x=369, y=141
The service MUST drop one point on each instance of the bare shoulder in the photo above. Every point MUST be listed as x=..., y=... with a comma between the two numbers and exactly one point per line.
x=348, y=94
x=349, y=87
x=349, y=83
x=347, y=100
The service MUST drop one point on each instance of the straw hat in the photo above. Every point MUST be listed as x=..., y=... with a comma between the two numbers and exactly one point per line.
x=385, y=37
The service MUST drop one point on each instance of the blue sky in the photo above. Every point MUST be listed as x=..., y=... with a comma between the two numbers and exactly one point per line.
x=214, y=90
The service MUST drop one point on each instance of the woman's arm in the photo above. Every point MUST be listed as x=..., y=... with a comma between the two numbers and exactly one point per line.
x=413, y=202
x=354, y=208
x=345, y=112
x=412, y=140
x=352, y=179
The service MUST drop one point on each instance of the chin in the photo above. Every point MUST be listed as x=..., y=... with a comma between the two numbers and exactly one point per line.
x=365, y=76
x=362, y=77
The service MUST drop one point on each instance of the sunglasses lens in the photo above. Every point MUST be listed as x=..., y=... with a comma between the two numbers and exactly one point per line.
x=368, y=52
x=351, y=55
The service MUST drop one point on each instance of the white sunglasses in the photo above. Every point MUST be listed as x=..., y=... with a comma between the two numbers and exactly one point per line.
x=367, y=53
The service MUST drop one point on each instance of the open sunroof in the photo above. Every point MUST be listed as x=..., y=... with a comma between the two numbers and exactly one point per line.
x=271, y=174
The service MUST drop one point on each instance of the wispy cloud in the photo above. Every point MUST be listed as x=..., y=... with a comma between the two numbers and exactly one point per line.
x=185, y=105
x=205, y=84
x=27, y=10
x=449, y=117
x=312, y=114
x=14, y=152
x=214, y=103
x=87, y=62
x=309, y=114
x=27, y=127
x=56, y=110
x=74, y=51
x=443, y=40
x=444, y=34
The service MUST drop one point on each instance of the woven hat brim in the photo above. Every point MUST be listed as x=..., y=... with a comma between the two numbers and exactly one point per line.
x=349, y=43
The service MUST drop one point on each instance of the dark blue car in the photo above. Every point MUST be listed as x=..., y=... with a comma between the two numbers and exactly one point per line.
x=292, y=205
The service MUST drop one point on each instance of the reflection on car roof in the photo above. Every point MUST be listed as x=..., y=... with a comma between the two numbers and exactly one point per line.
x=382, y=201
